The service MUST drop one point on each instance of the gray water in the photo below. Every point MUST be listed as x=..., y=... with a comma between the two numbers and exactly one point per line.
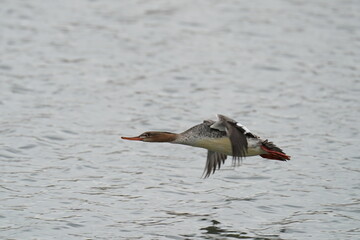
x=77, y=75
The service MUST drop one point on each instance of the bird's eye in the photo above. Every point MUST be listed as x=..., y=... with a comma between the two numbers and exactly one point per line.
x=145, y=135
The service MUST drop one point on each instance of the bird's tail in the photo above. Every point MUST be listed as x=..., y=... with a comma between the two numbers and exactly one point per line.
x=273, y=152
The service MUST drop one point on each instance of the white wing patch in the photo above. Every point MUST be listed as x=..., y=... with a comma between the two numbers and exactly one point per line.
x=246, y=130
x=219, y=126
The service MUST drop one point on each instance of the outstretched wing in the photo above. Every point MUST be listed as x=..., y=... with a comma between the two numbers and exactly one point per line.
x=237, y=134
x=213, y=162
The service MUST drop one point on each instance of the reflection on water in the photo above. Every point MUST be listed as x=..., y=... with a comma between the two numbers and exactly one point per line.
x=74, y=77
x=216, y=230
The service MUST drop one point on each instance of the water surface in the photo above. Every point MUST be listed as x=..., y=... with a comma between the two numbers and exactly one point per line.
x=75, y=76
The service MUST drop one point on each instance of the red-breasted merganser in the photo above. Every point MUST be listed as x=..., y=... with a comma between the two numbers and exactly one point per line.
x=222, y=138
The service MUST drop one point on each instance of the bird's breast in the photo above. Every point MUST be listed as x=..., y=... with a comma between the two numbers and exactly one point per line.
x=223, y=145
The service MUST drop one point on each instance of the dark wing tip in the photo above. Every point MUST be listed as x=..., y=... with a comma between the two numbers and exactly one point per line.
x=213, y=162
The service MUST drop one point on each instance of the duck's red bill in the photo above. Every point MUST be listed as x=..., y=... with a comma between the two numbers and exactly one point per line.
x=132, y=138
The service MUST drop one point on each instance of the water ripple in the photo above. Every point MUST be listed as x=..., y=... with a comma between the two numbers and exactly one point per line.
x=76, y=77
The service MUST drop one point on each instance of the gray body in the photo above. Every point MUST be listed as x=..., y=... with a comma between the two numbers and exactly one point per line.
x=204, y=136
